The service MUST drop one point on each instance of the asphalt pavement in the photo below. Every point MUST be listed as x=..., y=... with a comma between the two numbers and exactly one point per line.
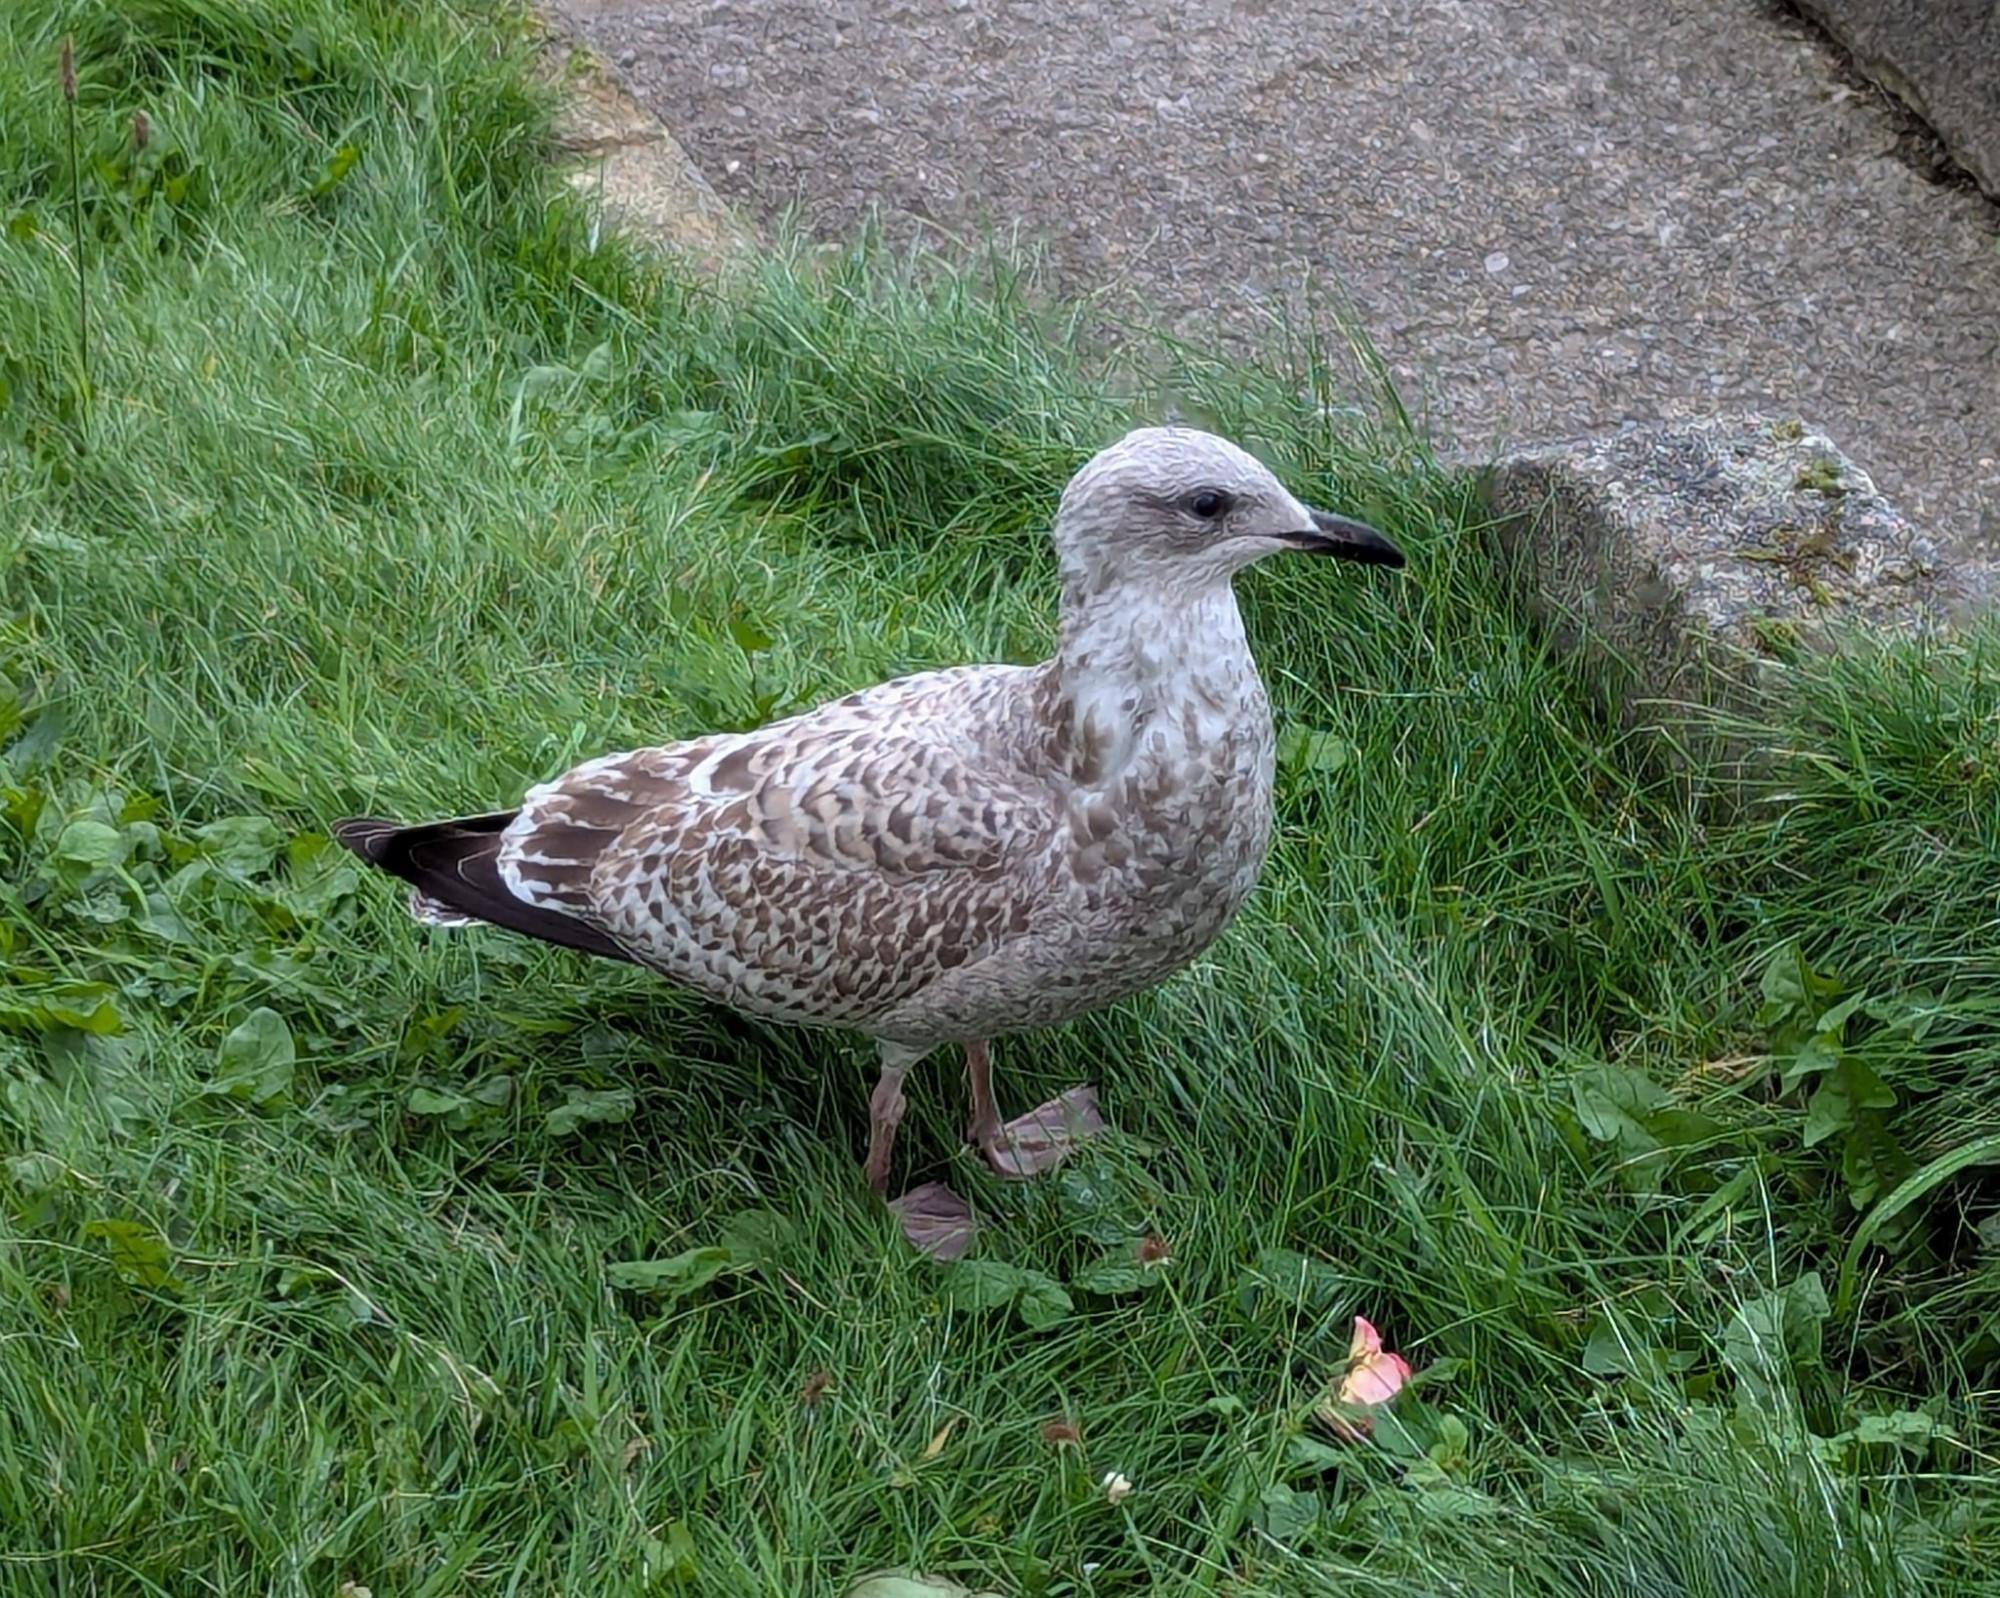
x=1552, y=215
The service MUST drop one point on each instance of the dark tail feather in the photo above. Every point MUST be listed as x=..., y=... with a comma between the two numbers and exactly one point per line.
x=456, y=863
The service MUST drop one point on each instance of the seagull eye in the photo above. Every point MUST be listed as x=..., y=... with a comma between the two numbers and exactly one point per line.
x=1209, y=504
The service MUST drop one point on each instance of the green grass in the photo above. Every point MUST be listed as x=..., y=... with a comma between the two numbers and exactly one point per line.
x=393, y=488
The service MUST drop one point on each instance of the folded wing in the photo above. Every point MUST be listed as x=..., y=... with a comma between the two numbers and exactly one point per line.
x=818, y=870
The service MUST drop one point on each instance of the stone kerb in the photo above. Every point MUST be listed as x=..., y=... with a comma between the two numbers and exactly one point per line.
x=1686, y=558
x=1941, y=58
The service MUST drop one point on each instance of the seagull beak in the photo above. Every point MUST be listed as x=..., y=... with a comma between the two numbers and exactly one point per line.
x=1348, y=540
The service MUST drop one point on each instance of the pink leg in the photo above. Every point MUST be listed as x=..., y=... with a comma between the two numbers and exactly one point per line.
x=985, y=1129
x=1031, y=1143
x=885, y=1113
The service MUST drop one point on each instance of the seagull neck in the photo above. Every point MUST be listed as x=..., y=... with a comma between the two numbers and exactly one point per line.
x=1131, y=661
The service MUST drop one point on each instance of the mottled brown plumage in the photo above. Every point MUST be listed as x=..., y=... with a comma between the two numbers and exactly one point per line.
x=953, y=855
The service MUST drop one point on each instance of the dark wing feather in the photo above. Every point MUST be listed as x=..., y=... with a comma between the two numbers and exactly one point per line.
x=455, y=863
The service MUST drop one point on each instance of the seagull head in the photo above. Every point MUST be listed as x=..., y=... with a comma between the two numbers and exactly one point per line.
x=1174, y=506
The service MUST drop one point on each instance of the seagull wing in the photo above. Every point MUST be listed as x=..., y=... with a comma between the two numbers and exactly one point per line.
x=821, y=869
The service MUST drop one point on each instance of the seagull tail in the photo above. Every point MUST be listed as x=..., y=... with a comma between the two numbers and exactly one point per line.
x=454, y=866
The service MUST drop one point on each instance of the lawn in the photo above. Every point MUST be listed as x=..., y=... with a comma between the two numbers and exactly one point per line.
x=369, y=475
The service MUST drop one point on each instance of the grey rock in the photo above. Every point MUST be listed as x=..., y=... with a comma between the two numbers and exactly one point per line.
x=618, y=151
x=1941, y=58
x=1683, y=557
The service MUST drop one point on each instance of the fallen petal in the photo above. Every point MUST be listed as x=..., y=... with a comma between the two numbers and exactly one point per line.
x=935, y=1220
x=1375, y=1380
x=1040, y=1140
x=1373, y=1376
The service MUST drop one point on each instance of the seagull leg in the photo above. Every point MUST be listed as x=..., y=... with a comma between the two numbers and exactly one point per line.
x=936, y=1220
x=885, y=1111
x=1031, y=1143
x=985, y=1129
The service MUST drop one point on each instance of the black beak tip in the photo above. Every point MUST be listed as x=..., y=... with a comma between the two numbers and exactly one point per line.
x=1347, y=539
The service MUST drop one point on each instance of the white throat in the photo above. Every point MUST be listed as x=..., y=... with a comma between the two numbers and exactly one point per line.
x=1151, y=675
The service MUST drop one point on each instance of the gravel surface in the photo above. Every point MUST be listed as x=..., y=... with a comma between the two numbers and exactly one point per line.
x=1554, y=215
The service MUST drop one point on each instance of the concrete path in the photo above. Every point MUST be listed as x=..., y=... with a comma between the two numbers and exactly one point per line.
x=1554, y=215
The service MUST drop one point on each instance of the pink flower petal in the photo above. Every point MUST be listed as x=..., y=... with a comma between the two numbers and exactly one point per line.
x=1374, y=1375
x=1374, y=1380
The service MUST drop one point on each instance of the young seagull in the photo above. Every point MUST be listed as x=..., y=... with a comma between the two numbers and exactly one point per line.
x=950, y=856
